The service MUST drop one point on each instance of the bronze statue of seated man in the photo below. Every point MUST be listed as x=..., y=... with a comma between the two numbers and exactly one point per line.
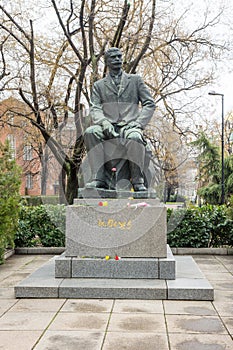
x=121, y=107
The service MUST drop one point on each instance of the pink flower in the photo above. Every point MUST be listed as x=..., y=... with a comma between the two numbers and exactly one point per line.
x=114, y=170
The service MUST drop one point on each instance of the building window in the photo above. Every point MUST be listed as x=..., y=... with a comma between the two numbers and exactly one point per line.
x=27, y=152
x=29, y=181
x=11, y=140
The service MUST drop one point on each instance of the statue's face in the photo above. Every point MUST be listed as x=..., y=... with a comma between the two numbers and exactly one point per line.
x=114, y=60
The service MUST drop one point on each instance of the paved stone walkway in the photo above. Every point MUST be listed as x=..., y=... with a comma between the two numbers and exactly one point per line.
x=75, y=324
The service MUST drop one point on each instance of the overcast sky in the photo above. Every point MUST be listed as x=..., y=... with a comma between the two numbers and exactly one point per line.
x=223, y=31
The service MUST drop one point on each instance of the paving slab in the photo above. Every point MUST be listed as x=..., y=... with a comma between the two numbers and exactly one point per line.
x=70, y=340
x=138, y=306
x=200, y=342
x=6, y=305
x=224, y=308
x=135, y=322
x=135, y=341
x=209, y=266
x=228, y=321
x=219, y=276
x=223, y=295
x=37, y=305
x=17, y=340
x=7, y=293
x=195, y=324
x=90, y=305
x=223, y=285
x=22, y=321
x=183, y=307
x=68, y=321
x=13, y=279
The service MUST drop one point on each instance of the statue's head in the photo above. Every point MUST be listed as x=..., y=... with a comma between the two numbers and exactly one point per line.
x=113, y=58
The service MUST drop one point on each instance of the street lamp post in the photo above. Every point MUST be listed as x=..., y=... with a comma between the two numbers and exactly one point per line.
x=222, y=146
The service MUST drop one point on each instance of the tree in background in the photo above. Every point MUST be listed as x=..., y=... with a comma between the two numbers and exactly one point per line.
x=9, y=198
x=209, y=171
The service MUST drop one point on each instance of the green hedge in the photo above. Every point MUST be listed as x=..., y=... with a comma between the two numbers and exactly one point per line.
x=208, y=226
x=9, y=198
x=41, y=225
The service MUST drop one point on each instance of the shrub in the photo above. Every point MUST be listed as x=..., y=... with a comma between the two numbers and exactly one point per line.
x=41, y=225
x=187, y=229
x=208, y=226
x=9, y=198
x=230, y=208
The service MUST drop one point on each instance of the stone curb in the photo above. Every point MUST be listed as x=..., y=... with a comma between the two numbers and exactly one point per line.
x=40, y=250
x=175, y=251
x=9, y=253
x=202, y=251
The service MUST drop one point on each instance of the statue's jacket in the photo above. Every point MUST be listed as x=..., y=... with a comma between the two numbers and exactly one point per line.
x=131, y=102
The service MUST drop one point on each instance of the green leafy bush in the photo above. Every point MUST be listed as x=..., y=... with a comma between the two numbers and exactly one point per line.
x=41, y=225
x=208, y=226
x=9, y=198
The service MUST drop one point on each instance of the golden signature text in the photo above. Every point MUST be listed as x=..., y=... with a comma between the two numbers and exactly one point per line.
x=112, y=223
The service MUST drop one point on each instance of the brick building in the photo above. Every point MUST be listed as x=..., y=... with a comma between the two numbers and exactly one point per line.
x=27, y=147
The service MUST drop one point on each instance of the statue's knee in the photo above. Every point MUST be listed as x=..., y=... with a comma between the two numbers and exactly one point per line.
x=93, y=130
x=135, y=136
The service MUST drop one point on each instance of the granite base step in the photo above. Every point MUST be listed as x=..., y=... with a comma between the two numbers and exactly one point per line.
x=136, y=268
x=190, y=284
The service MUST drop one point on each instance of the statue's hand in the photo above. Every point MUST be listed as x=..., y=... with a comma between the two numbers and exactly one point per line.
x=108, y=129
x=132, y=124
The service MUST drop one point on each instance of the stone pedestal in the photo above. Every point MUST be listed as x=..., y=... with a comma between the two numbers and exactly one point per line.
x=128, y=228
x=129, y=232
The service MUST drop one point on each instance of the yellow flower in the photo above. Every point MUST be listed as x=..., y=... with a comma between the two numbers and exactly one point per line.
x=107, y=257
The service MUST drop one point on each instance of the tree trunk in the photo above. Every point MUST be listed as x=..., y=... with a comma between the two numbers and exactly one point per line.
x=44, y=171
x=62, y=187
x=72, y=185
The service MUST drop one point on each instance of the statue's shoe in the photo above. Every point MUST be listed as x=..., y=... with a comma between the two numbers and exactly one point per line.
x=96, y=184
x=139, y=187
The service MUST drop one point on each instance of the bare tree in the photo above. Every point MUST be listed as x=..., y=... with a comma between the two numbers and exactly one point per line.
x=55, y=74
